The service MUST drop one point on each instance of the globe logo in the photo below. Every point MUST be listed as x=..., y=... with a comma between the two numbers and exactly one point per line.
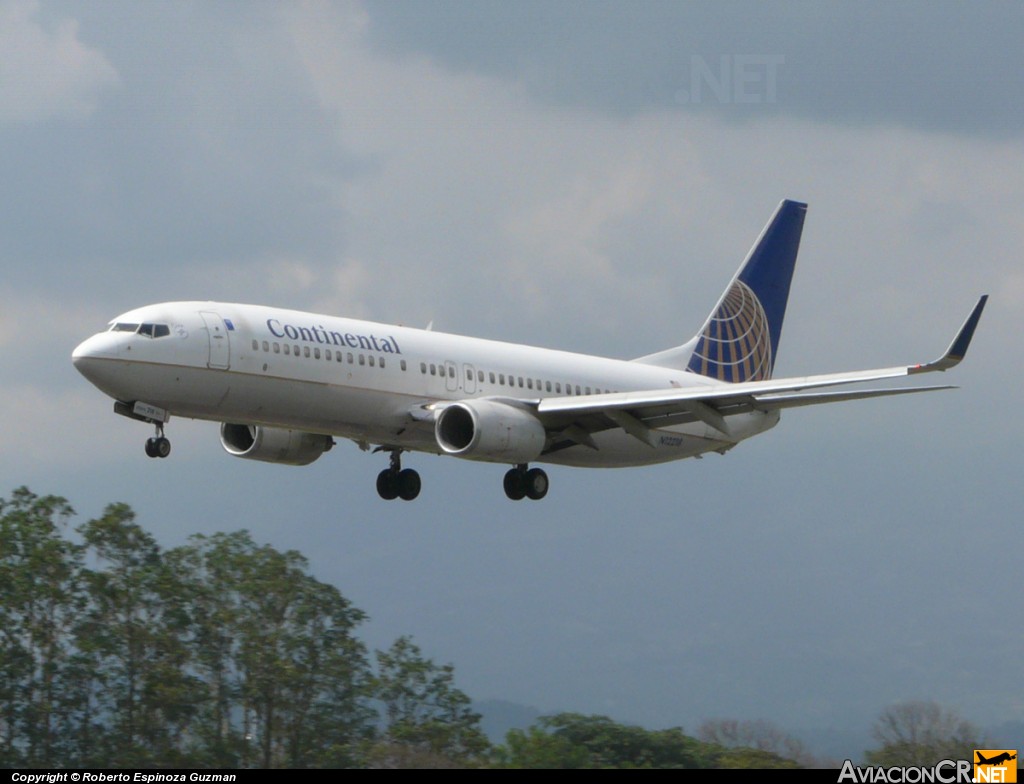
x=736, y=343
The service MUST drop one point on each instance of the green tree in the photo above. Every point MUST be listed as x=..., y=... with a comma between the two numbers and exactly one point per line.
x=276, y=648
x=135, y=635
x=422, y=708
x=758, y=735
x=613, y=745
x=41, y=597
x=572, y=740
x=922, y=733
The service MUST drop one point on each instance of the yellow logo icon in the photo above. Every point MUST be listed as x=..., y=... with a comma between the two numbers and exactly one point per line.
x=995, y=765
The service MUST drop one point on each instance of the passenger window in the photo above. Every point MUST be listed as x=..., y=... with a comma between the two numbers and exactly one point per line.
x=469, y=374
x=306, y=351
x=316, y=353
x=423, y=368
x=480, y=376
x=381, y=361
x=491, y=376
x=362, y=359
x=588, y=390
x=287, y=349
x=337, y=356
x=277, y=348
x=578, y=389
x=296, y=350
x=548, y=385
x=520, y=382
x=266, y=346
x=402, y=363
x=558, y=387
x=529, y=383
x=501, y=379
x=433, y=369
x=255, y=345
x=351, y=359
x=371, y=361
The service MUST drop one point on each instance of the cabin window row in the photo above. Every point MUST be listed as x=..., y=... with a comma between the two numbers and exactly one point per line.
x=500, y=379
x=315, y=352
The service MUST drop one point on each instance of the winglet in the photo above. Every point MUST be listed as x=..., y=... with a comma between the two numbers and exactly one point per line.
x=958, y=348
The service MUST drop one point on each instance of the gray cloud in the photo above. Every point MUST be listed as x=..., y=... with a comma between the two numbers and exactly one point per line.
x=46, y=71
x=948, y=67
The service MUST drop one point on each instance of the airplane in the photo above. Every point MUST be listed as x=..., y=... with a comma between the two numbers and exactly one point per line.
x=999, y=759
x=285, y=383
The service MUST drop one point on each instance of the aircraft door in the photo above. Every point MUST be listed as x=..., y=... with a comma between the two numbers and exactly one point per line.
x=220, y=344
x=451, y=376
x=469, y=382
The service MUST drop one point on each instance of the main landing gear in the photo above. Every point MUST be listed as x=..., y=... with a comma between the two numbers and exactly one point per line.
x=522, y=482
x=396, y=482
x=158, y=445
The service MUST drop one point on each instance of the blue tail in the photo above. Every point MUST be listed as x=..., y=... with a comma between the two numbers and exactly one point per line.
x=740, y=339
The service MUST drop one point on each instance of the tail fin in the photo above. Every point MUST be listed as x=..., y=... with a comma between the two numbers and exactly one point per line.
x=740, y=339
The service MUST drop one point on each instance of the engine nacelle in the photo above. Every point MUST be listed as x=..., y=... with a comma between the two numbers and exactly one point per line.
x=488, y=430
x=273, y=445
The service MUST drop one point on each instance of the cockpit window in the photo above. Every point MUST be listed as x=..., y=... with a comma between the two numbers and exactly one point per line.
x=149, y=330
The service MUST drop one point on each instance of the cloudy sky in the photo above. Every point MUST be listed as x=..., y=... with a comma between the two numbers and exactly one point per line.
x=583, y=176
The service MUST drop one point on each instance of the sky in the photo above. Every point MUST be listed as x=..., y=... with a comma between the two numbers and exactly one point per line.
x=584, y=176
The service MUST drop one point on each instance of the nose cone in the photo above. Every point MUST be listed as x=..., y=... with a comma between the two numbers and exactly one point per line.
x=92, y=358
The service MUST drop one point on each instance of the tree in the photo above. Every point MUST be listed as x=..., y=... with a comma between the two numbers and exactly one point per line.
x=135, y=634
x=922, y=733
x=41, y=596
x=755, y=734
x=573, y=740
x=284, y=674
x=221, y=652
x=422, y=708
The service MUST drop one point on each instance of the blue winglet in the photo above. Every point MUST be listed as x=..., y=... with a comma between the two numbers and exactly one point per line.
x=958, y=348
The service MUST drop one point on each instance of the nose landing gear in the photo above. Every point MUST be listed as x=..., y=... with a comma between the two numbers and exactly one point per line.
x=158, y=445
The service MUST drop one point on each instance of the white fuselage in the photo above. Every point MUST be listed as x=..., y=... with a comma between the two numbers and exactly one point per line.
x=369, y=382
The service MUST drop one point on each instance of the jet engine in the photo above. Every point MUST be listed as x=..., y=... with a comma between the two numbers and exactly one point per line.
x=273, y=445
x=488, y=430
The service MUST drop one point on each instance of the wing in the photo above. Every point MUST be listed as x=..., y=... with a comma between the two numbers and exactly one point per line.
x=640, y=412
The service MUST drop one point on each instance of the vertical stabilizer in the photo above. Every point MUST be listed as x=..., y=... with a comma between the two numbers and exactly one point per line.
x=740, y=339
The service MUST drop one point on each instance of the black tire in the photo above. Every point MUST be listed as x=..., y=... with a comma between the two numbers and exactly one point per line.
x=163, y=447
x=387, y=485
x=150, y=447
x=536, y=483
x=408, y=484
x=515, y=484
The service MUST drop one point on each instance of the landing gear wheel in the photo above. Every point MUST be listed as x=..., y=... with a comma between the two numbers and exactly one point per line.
x=151, y=447
x=408, y=484
x=536, y=484
x=387, y=484
x=163, y=447
x=515, y=484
